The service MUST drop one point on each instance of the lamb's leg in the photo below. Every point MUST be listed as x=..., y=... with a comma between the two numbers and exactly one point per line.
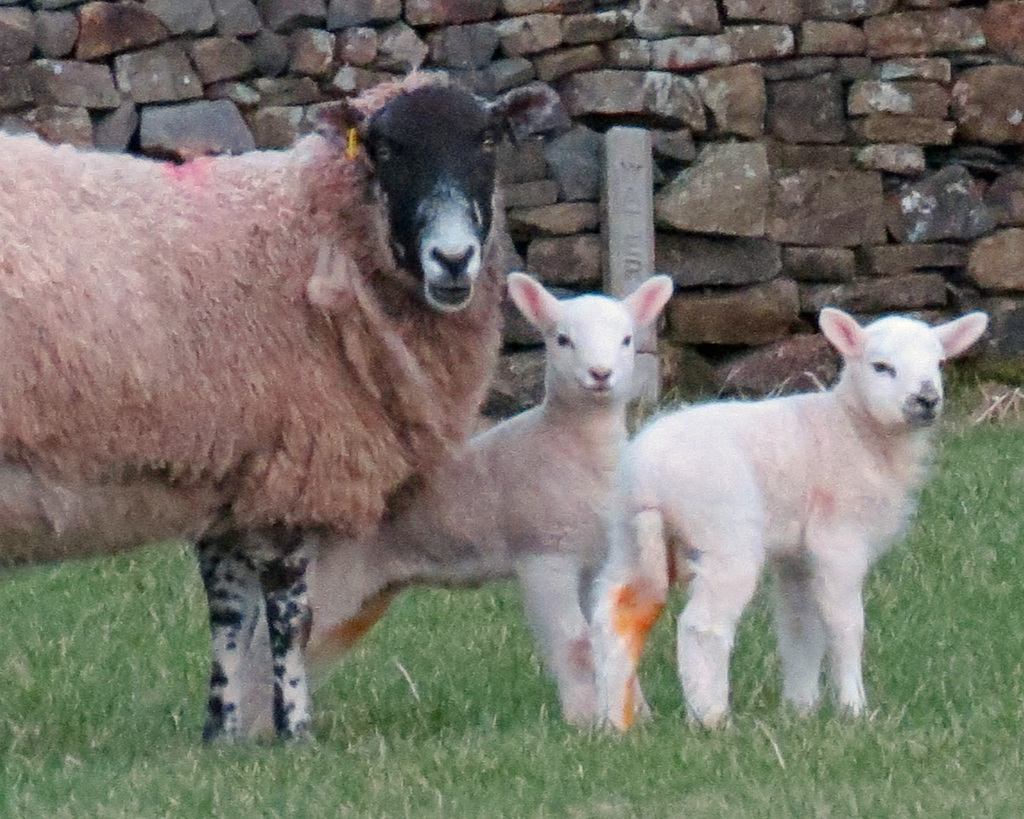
x=551, y=597
x=629, y=596
x=838, y=578
x=289, y=617
x=723, y=584
x=801, y=635
x=233, y=597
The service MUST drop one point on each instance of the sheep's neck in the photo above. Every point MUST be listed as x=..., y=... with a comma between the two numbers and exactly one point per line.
x=602, y=425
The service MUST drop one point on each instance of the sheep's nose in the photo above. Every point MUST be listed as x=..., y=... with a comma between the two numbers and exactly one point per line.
x=600, y=375
x=454, y=262
x=927, y=398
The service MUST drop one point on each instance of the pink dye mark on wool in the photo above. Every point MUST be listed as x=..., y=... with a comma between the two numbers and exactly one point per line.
x=194, y=172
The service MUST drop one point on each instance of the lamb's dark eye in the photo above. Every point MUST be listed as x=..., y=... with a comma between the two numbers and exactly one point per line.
x=562, y=340
x=882, y=367
x=627, y=341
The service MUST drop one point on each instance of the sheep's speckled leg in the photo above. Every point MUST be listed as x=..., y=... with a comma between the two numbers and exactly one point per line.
x=289, y=618
x=233, y=597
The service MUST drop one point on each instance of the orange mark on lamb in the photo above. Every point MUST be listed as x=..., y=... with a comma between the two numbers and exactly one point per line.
x=340, y=638
x=634, y=614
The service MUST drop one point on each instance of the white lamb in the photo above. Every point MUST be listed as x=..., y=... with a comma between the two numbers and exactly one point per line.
x=526, y=498
x=817, y=485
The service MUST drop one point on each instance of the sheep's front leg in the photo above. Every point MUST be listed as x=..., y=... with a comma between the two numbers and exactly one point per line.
x=551, y=597
x=234, y=599
x=289, y=618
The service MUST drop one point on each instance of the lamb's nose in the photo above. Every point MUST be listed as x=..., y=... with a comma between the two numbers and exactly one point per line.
x=600, y=374
x=454, y=261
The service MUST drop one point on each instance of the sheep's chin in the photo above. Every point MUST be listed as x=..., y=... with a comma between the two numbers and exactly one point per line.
x=448, y=299
x=915, y=419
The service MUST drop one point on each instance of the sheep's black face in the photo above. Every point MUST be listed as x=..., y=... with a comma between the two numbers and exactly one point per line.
x=434, y=152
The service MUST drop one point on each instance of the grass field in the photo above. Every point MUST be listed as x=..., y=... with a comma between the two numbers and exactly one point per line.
x=443, y=710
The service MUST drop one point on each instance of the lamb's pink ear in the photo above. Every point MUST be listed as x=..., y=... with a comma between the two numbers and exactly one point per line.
x=842, y=331
x=536, y=304
x=646, y=302
x=958, y=335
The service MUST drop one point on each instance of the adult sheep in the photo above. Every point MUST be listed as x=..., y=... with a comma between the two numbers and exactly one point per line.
x=244, y=350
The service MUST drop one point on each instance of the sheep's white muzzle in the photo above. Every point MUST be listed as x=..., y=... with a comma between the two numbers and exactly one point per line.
x=450, y=252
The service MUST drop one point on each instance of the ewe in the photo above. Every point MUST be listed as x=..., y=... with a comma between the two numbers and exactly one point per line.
x=526, y=498
x=818, y=485
x=244, y=350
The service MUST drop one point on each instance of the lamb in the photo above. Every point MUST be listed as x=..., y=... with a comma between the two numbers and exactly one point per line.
x=526, y=498
x=247, y=351
x=817, y=485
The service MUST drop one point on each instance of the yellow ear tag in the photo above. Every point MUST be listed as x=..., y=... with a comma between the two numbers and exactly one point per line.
x=353, y=143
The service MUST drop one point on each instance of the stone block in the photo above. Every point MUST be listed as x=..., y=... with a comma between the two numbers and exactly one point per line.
x=522, y=36
x=819, y=264
x=593, y=27
x=448, y=12
x=898, y=260
x=74, y=84
x=518, y=384
x=736, y=98
x=626, y=53
x=276, y=126
x=917, y=291
x=675, y=146
x=345, y=14
x=1005, y=198
x=947, y=204
x=56, y=33
x=827, y=208
x=996, y=262
x=657, y=19
x=735, y=45
x=312, y=52
x=1003, y=25
x=269, y=53
x=400, y=49
x=522, y=161
x=913, y=98
x=787, y=156
x=566, y=260
x=284, y=16
x=663, y=97
x=531, y=194
x=936, y=69
x=830, y=37
x=15, y=86
x=847, y=9
x=803, y=363
x=559, y=219
x=61, y=124
x=183, y=16
x=17, y=35
x=115, y=130
x=988, y=104
x=557, y=63
x=194, y=129
x=902, y=159
x=236, y=18
x=782, y=12
x=911, y=130
x=748, y=315
x=799, y=68
x=220, y=58
x=517, y=8
x=160, y=74
x=356, y=46
x=574, y=162
x=708, y=261
x=919, y=33
x=694, y=200
x=111, y=28
x=470, y=46
x=289, y=91
x=808, y=110
x=511, y=72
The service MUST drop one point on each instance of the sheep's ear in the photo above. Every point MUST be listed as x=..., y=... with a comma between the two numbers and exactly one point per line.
x=958, y=335
x=336, y=122
x=536, y=304
x=648, y=300
x=842, y=331
x=532, y=109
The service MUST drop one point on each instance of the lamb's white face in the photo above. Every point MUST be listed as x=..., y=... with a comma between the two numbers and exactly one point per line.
x=590, y=350
x=895, y=364
x=900, y=372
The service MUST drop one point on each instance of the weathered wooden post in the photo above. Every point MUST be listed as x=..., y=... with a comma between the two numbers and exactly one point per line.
x=628, y=225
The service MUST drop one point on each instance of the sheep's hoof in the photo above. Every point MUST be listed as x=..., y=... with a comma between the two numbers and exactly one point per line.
x=299, y=735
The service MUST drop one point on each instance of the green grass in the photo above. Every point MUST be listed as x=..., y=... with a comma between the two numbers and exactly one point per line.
x=443, y=710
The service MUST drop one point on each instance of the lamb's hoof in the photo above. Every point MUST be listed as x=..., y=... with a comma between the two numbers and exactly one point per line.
x=710, y=722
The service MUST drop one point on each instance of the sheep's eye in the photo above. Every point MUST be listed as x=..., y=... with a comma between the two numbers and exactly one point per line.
x=563, y=340
x=882, y=367
x=627, y=341
x=383, y=152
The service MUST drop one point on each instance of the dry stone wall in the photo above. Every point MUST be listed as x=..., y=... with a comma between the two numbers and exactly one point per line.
x=861, y=153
